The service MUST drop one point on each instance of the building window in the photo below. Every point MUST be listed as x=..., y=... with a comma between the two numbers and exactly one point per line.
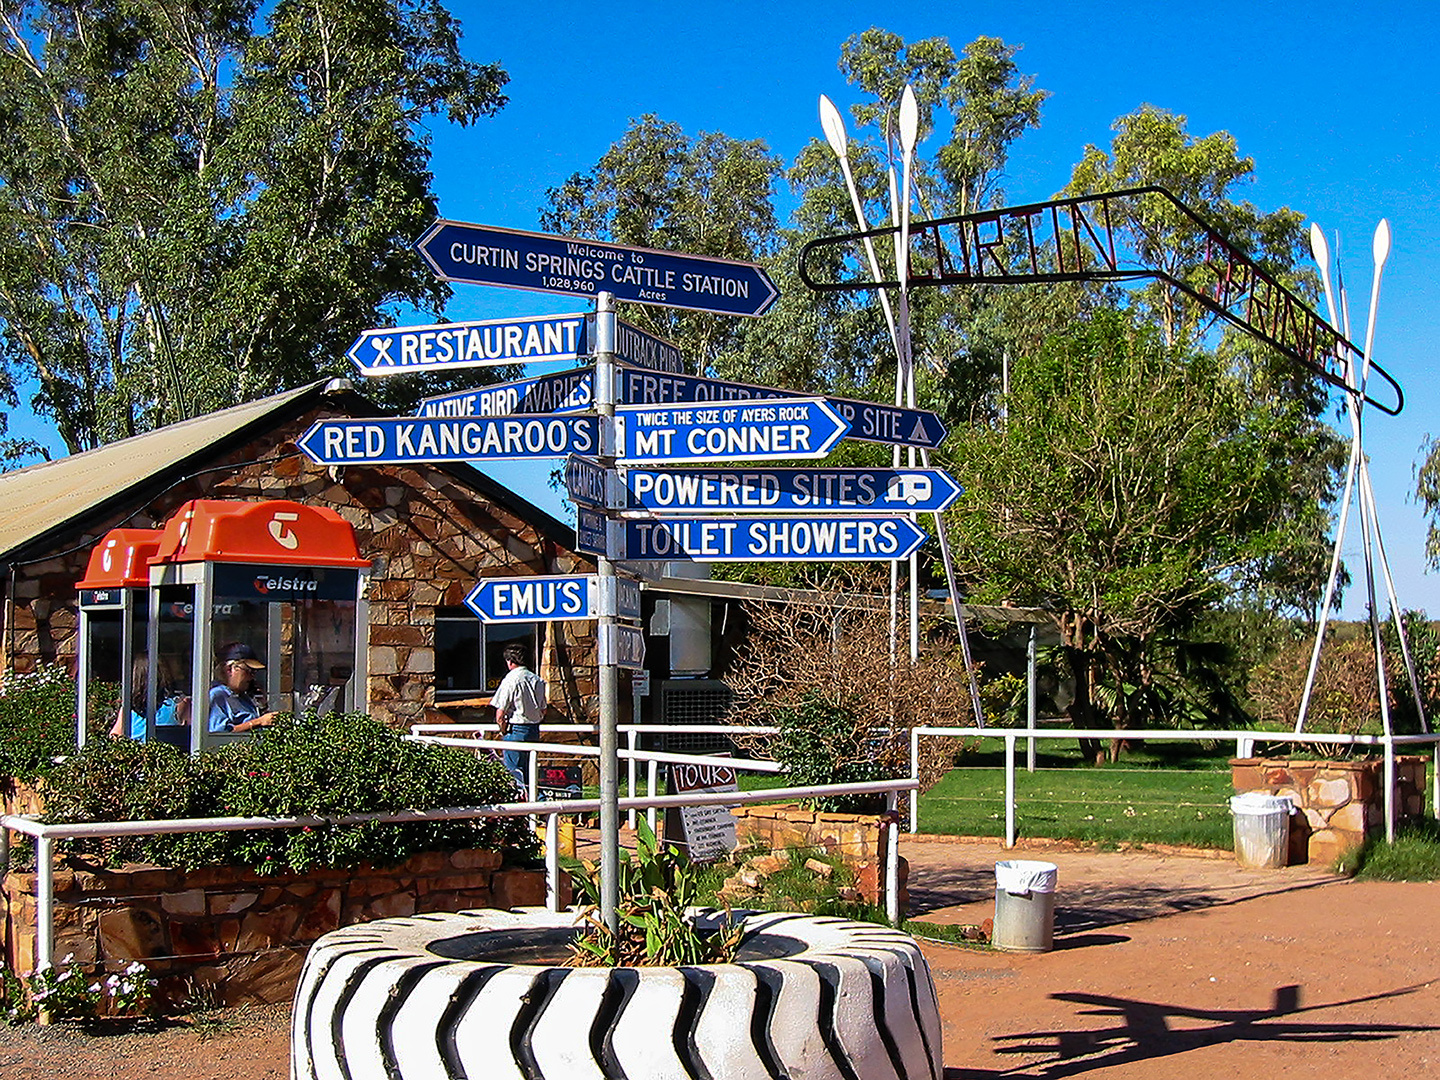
x=468, y=661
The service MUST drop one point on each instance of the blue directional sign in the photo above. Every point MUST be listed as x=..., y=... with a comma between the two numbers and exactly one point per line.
x=733, y=431
x=569, y=391
x=869, y=420
x=595, y=534
x=635, y=346
x=554, y=597
x=562, y=392
x=623, y=646
x=590, y=484
x=783, y=491
x=784, y=539
x=446, y=346
x=484, y=255
x=403, y=440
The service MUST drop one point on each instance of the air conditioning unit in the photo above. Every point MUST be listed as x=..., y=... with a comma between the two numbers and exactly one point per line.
x=694, y=701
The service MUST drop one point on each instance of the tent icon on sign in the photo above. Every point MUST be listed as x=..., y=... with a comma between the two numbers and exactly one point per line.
x=908, y=488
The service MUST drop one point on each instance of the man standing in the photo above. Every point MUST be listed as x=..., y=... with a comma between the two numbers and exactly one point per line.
x=519, y=705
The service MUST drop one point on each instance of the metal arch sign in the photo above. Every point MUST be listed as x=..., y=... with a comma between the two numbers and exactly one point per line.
x=485, y=255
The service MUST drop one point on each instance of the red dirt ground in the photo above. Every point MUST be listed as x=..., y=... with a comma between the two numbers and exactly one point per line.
x=1166, y=967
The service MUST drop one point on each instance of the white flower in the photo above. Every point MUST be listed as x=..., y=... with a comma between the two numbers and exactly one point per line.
x=95, y=988
x=113, y=981
x=135, y=968
x=69, y=958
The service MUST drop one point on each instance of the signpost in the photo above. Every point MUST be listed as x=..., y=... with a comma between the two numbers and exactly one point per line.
x=589, y=484
x=446, y=346
x=484, y=255
x=779, y=429
x=406, y=440
x=569, y=391
x=554, y=597
x=814, y=491
x=802, y=539
x=623, y=646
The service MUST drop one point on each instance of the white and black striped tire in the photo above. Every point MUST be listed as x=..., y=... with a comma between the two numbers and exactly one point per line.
x=808, y=998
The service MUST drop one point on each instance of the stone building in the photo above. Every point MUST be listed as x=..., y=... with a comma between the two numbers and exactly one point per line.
x=430, y=531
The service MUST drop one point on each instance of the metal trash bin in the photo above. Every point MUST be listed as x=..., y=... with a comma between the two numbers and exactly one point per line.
x=1024, y=906
x=1262, y=829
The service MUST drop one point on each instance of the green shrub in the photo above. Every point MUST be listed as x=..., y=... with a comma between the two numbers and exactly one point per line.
x=823, y=743
x=657, y=887
x=37, y=719
x=322, y=767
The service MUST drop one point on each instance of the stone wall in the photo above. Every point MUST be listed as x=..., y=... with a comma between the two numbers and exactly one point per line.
x=243, y=933
x=429, y=535
x=856, y=839
x=1339, y=803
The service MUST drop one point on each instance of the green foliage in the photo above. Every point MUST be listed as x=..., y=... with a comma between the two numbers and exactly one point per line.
x=195, y=211
x=307, y=766
x=1132, y=489
x=37, y=719
x=1414, y=856
x=656, y=187
x=68, y=992
x=824, y=742
x=657, y=890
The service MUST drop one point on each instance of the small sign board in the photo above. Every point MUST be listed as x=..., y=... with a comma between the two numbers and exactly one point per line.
x=734, y=431
x=561, y=392
x=395, y=350
x=486, y=255
x=623, y=646
x=709, y=830
x=788, y=491
x=558, y=781
x=785, y=539
x=558, y=597
x=404, y=440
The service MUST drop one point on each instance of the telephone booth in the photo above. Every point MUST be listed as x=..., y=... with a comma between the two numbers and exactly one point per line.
x=114, y=609
x=280, y=577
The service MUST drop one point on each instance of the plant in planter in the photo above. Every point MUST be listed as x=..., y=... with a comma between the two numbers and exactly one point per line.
x=676, y=993
x=657, y=923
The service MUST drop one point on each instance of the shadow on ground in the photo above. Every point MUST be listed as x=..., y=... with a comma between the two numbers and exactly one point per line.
x=1144, y=1031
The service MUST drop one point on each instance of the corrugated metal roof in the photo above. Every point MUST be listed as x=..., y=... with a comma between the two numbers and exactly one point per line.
x=38, y=498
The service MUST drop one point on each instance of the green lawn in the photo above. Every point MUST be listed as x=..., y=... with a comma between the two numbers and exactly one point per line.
x=1166, y=793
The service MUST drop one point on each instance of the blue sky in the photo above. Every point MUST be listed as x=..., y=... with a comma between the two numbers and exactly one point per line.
x=1334, y=101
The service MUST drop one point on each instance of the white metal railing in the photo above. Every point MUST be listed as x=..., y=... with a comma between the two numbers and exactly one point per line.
x=451, y=735
x=1244, y=747
x=46, y=834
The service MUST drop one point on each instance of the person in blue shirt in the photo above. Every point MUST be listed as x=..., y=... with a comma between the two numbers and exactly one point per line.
x=173, y=709
x=232, y=703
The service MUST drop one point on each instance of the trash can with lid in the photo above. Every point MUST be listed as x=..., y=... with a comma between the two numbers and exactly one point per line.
x=1262, y=829
x=1024, y=905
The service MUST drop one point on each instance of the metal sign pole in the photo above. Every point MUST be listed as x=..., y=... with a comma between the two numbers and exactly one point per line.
x=609, y=673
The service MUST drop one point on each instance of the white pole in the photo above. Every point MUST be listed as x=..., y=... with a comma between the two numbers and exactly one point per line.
x=552, y=862
x=892, y=859
x=1009, y=791
x=914, y=775
x=44, y=901
x=1031, y=706
x=630, y=767
x=1390, y=807
x=652, y=781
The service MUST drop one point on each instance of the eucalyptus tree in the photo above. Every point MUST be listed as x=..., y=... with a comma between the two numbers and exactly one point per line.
x=195, y=211
x=657, y=187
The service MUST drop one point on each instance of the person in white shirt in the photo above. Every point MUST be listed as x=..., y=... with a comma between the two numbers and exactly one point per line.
x=519, y=704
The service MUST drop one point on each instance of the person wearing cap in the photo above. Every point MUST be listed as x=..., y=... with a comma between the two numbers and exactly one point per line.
x=232, y=706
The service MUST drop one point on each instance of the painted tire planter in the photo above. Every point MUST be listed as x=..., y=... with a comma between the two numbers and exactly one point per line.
x=452, y=996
